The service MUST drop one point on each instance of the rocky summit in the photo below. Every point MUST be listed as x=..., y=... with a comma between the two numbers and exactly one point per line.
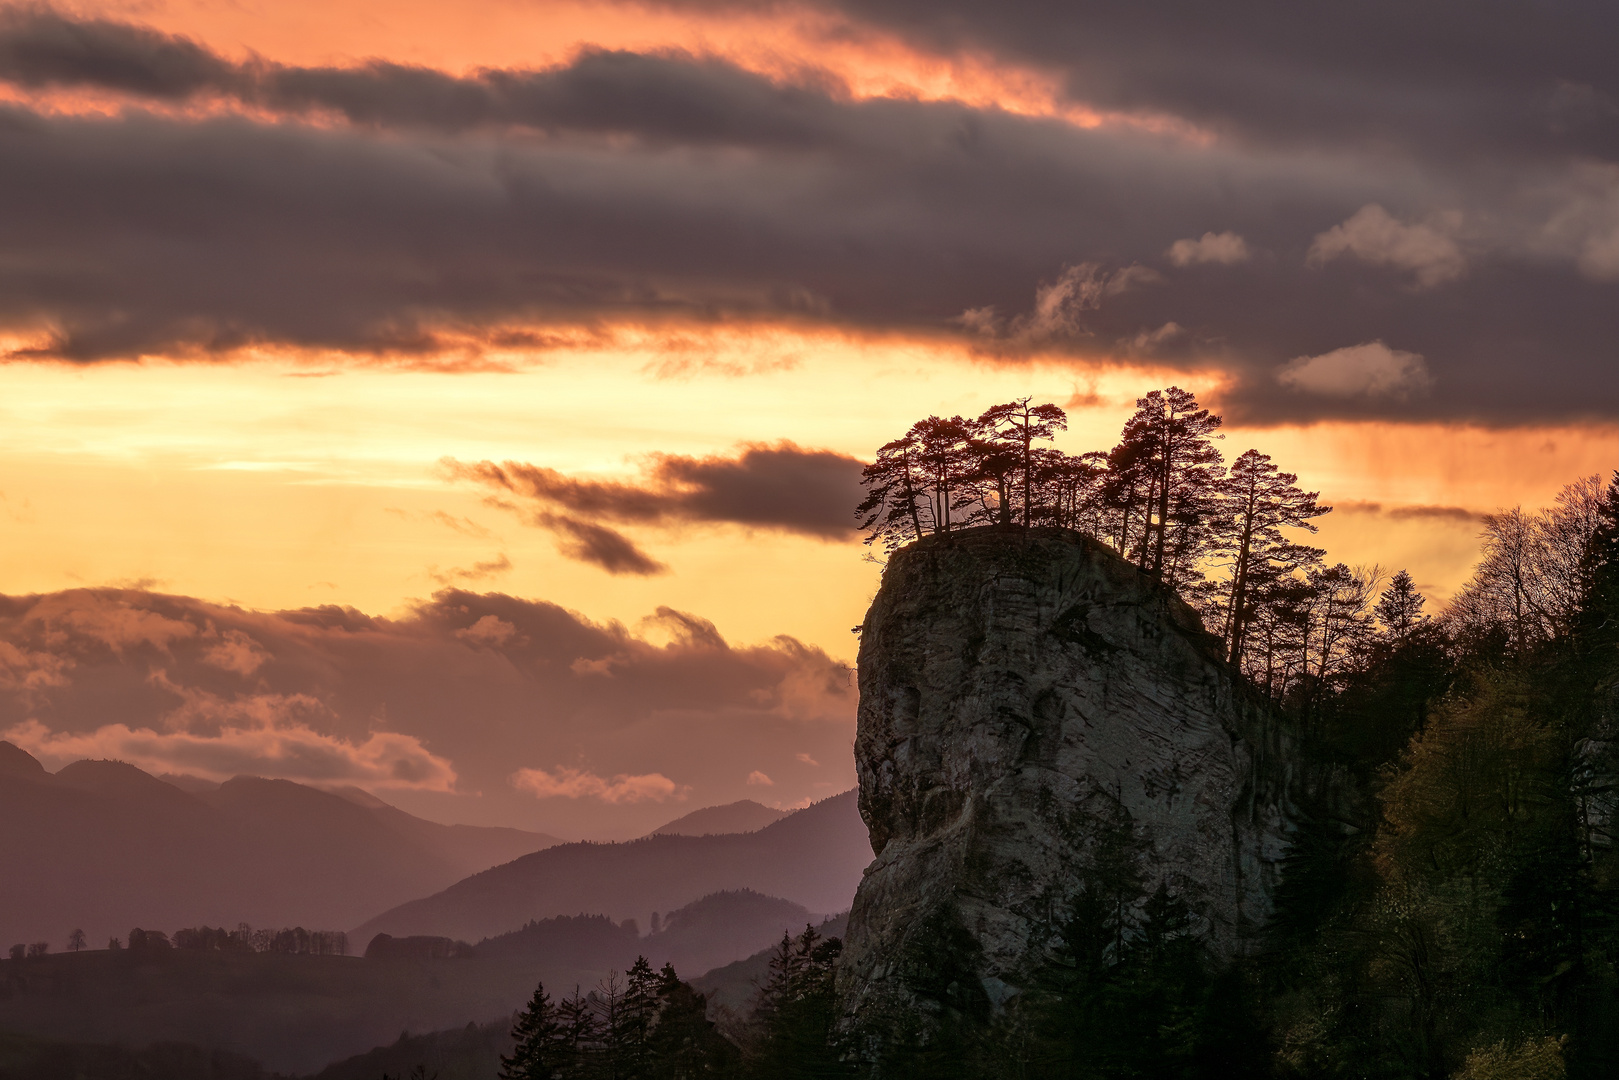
x=1044, y=732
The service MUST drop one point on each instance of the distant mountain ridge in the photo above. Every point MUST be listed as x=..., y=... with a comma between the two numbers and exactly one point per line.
x=813, y=857
x=295, y=1014
x=717, y=929
x=738, y=817
x=103, y=846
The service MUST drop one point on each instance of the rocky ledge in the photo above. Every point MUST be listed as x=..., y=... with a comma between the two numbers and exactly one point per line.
x=1035, y=714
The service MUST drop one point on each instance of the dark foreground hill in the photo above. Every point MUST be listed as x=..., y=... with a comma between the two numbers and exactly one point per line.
x=102, y=847
x=24, y=1058
x=298, y=1013
x=813, y=857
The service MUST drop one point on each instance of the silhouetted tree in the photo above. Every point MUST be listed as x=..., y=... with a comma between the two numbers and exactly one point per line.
x=1257, y=500
x=148, y=940
x=636, y=1015
x=794, y=1015
x=685, y=1044
x=541, y=1045
x=946, y=461
x=1168, y=443
x=75, y=941
x=580, y=1030
x=1399, y=609
x=1011, y=430
x=896, y=494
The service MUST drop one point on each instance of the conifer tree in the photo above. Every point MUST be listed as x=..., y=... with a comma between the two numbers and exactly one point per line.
x=637, y=1013
x=946, y=461
x=796, y=1011
x=895, y=494
x=1012, y=429
x=580, y=1033
x=540, y=1051
x=1399, y=609
x=1257, y=501
x=684, y=1044
x=1172, y=461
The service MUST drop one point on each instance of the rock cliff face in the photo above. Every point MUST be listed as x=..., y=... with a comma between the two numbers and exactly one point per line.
x=1031, y=706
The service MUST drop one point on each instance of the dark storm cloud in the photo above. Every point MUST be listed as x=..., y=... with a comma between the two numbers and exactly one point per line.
x=1354, y=267
x=40, y=48
x=781, y=487
x=1447, y=77
x=462, y=692
x=671, y=98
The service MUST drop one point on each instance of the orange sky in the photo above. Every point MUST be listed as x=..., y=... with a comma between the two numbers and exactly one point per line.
x=273, y=485
x=276, y=477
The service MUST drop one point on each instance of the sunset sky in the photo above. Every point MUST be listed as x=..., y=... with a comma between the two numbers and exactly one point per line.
x=539, y=345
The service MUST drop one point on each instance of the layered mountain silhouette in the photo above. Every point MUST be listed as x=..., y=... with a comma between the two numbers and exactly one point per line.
x=294, y=1014
x=103, y=846
x=813, y=857
x=737, y=817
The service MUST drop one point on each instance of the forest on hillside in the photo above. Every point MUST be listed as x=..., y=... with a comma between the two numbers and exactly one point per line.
x=1455, y=915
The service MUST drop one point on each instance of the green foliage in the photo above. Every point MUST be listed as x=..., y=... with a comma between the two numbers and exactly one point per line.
x=1533, y=1059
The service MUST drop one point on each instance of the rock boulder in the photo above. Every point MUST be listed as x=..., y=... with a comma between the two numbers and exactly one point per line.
x=1029, y=702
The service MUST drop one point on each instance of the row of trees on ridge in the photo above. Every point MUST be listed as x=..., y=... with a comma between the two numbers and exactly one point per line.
x=1164, y=498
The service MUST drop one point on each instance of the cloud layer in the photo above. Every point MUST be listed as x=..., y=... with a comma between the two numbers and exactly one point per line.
x=1307, y=187
x=478, y=707
x=780, y=487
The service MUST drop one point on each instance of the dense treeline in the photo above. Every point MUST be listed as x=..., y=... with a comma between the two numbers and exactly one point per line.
x=295, y=940
x=652, y=1026
x=292, y=940
x=1454, y=910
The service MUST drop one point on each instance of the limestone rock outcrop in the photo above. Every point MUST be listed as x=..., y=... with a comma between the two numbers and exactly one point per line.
x=1021, y=693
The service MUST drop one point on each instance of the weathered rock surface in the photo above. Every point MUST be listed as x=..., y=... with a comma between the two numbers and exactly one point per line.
x=1019, y=691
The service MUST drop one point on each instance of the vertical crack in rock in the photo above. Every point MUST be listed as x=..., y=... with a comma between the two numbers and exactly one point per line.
x=1021, y=694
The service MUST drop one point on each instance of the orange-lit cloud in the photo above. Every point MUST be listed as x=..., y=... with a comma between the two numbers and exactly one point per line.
x=790, y=45
x=435, y=707
x=567, y=783
x=385, y=760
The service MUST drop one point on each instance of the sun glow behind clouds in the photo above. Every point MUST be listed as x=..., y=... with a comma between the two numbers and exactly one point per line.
x=253, y=483
x=859, y=60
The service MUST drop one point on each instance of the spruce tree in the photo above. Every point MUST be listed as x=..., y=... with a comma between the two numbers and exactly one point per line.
x=540, y=1050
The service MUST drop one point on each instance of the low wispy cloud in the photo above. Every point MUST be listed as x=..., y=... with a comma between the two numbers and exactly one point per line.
x=478, y=571
x=1409, y=511
x=1372, y=370
x=779, y=486
x=1223, y=249
x=569, y=783
x=1372, y=235
x=285, y=751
